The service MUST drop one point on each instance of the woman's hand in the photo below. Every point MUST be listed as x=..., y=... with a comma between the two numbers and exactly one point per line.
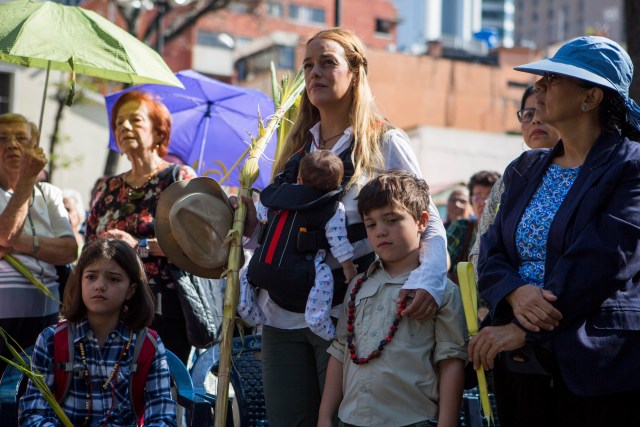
x=251, y=220
x=121, y=235
x=533, y=309
x=422, y=305
x=486, y=344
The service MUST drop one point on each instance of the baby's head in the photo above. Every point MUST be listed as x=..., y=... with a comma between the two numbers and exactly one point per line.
x=321, y=170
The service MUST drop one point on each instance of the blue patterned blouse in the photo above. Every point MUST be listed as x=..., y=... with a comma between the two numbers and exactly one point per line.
x=533, y=229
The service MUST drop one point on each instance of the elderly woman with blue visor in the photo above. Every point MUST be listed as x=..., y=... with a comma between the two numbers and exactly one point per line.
x=560, y=269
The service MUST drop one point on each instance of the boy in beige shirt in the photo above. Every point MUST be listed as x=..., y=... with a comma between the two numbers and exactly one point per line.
x=386, y=370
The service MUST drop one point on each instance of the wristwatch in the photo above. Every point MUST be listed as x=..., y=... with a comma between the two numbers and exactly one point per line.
x=143, y=248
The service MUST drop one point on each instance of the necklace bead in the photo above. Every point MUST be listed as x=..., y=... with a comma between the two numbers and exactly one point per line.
x=351, y=329
x=112, y=377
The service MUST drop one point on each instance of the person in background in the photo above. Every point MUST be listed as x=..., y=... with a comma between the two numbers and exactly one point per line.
x=461, y=235
x=338, y=113
x=125, y=205
x=560, y=267
x=535, y=134
x=416, y=377
x=458, y=205
x=34, y=229
x=77, y=215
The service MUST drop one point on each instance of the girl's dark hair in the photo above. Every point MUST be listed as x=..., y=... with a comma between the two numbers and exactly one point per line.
x=613, y=112
x=527, y=93
x=141, y=304
x=395, y=188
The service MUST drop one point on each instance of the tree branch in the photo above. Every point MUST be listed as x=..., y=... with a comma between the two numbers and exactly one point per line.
x=187, y=20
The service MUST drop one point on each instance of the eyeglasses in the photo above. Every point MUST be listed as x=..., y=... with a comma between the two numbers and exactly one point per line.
x=526, y=115
x=7, y=138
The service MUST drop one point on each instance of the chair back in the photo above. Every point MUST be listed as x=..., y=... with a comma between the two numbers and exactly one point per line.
x=199, y=409
x=13, y=384
x=245, y=376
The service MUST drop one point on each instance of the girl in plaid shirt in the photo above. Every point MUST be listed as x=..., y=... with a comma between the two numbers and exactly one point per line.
x=107, y=302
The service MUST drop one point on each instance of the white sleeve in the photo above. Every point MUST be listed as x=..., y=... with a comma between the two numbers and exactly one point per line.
x=336, y=232
x=431, y=275
x=262, y=212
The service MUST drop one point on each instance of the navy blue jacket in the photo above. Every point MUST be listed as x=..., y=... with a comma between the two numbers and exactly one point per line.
x=592, y=264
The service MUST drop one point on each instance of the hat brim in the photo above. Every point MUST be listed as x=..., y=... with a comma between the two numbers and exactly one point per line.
x=165, y=237
x=556, y=66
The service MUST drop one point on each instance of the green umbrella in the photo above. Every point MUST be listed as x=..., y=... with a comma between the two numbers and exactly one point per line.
x=49, y=35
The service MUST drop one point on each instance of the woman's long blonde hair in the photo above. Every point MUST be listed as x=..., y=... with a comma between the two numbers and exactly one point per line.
x=368, y=125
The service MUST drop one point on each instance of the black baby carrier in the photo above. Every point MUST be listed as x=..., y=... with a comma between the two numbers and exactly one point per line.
x=297, y=222
x=283, y=264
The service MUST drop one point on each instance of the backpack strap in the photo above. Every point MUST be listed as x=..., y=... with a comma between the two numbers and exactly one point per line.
x=143, y=353
x=63, y=359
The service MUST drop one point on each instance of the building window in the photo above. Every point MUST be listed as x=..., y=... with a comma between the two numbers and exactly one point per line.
x=275, y=9
x=286, y=58
x=306, y=15
x=238, y=7
x=5, y=84
x=383, y=26
x=214, y=39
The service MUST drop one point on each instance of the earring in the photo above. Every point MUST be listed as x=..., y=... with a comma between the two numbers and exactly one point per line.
x=125, y=309
x=583, y=108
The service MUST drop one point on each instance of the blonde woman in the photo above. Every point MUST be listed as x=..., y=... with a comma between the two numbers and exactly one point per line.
x=338, y=113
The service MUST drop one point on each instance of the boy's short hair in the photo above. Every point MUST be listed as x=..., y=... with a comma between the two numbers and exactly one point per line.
x=322, y=170
x=399, y=189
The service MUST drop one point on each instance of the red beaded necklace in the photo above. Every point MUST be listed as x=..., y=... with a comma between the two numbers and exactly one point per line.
x=112, y=378
x=351, y=336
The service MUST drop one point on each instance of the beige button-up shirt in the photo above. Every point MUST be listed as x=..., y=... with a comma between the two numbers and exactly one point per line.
x=401, y=386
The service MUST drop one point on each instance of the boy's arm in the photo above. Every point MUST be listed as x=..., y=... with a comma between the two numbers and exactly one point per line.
x=450, y=354
x=451, y=386
x=332, y=394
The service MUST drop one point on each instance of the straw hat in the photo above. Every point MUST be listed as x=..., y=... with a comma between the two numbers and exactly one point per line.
x=192, y=221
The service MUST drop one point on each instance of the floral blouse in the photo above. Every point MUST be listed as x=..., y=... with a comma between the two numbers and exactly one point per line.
x=533, y=229
x=120, y=206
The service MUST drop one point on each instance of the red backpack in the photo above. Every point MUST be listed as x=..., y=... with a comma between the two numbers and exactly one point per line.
x=144, y=351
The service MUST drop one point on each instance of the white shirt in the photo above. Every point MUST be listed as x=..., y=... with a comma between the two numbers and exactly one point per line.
x=18, y=296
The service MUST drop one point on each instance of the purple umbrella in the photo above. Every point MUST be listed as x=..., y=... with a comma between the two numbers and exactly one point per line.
x=212, y=124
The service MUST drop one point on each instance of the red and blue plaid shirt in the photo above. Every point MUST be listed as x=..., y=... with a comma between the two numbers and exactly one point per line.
x=159, y=408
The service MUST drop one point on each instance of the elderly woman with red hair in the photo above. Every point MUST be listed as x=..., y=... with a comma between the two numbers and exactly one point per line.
x=125, y=205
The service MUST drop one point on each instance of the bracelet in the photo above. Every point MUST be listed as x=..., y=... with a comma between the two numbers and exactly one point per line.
x=143, y=248
x=36, y=244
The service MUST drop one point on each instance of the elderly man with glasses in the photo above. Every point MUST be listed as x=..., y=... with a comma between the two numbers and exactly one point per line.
x=34, y=229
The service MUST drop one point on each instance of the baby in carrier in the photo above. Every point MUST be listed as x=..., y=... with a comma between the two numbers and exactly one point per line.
x=298, y=220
